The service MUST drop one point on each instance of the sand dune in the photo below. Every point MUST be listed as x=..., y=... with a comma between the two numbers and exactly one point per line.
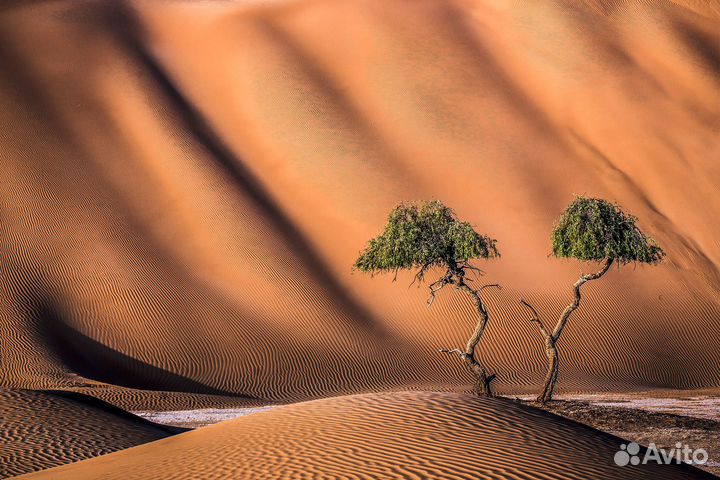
x=185, y=186
x=389, y=436
x=41, y=430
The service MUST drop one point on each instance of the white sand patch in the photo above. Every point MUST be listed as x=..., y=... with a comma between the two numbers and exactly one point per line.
x=699, y=407
x=703, y=406
x=198, y=418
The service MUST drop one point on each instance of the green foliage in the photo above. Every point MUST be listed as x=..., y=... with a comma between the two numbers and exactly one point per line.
x=423, y=236
x=594, y=229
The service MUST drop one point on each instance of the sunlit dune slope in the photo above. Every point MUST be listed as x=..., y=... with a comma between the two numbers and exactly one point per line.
x=41, y=430
x=389, y=436
x=185, y=186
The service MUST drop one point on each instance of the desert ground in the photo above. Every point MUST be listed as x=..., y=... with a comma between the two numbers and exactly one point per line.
x=185, y=186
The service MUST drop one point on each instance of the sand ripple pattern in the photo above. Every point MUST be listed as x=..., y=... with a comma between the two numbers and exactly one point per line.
x=185, y=185
x=41, y=430
x=402, y=435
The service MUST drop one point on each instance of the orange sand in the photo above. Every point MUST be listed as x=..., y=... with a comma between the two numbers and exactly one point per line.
x=184, y=186
x=381, y=436
x=41, y=430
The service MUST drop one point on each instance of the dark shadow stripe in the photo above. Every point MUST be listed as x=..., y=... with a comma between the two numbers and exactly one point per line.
x=88, y=400
x=123, y=21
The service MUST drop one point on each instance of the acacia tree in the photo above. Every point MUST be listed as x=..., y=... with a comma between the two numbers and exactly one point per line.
x=591, y=230
x=430, y=235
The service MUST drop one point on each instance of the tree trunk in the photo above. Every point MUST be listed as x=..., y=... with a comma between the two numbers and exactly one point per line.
x=551, y=340
x=562, y=321
x=484, y=380
x=552, y=374
x=483, y=385
x=482, y=322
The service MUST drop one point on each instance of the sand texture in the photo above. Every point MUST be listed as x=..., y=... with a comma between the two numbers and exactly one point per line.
x=41, y=430
x=186, y=184
x=381, y=436
x=184, y=187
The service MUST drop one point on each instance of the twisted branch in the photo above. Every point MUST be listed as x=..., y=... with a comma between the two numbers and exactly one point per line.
x=454, y=350
x=497, y=285
x=455, y=275
x=536, y=319
x=576, y=302
x=438, y=285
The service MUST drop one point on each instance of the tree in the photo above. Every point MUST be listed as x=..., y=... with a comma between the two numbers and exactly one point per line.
x=591, y=230
x=430, y=235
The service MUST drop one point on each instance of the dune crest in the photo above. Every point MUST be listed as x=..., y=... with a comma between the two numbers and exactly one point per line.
x=40, y=430
x=390, y=436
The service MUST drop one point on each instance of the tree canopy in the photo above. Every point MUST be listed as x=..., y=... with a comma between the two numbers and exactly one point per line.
x=592, y=229
x=423, y=236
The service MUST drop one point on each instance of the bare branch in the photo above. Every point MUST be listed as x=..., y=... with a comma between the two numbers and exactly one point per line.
x=450, y=352
x=496, y=285
x=439, y=284
x=536, y=319
x=420, y=275
x=478, y=272
x=431, y=298
x=465, y=265
x=416, y=278
x=434, y=288
x=463, y=356
x=560, y=325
